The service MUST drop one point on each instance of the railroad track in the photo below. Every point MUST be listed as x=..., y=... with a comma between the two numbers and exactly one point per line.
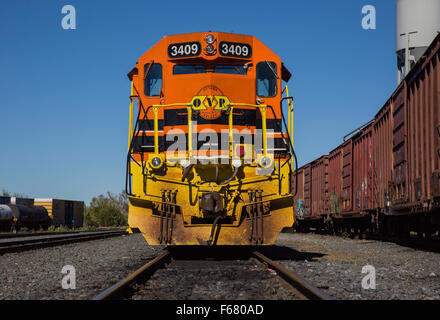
x=175, y=261
x=42, y=241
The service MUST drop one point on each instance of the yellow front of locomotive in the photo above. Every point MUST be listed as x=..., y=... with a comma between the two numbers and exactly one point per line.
x=208, y=162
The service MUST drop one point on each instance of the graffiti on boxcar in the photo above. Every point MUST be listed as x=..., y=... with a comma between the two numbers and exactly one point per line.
x=300, y=210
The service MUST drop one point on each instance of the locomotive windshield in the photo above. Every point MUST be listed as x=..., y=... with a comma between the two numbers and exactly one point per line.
x=153, y=79
x=267, y=79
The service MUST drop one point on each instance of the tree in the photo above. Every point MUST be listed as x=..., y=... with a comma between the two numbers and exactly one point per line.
x=107, y=211
x=6, y=193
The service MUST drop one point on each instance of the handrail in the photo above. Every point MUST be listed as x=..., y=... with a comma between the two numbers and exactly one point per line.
x=262, y=107
x=130, y=126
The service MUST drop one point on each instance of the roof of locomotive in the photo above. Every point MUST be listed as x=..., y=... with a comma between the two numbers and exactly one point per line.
x=220, y=37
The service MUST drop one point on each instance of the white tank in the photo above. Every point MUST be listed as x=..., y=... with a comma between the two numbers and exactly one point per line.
x=417, y=24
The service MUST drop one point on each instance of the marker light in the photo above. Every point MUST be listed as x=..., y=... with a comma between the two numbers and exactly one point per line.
x=156, y=162
x=209, y=38
x=239, y=150
x=265, y=162
x=209, y=49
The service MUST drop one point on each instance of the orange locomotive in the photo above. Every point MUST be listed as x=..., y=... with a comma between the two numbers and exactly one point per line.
x=208, y=160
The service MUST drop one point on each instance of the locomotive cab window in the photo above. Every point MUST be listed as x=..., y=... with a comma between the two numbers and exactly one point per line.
x=153, y=79
x=267, y=78
x=230, y=69
x=188, y=69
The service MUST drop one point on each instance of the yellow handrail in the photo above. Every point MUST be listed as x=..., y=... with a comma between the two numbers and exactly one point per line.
x=230, y=122
x=290, y=119
x=130, y=126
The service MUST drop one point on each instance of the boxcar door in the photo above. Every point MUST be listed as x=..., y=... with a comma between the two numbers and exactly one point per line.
x=68, y=213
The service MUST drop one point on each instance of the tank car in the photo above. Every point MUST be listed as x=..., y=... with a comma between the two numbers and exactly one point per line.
x=5, y=217
x=19, y=216
x=210, y=154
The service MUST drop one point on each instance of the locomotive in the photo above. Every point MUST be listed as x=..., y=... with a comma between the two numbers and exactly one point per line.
x=210, y=156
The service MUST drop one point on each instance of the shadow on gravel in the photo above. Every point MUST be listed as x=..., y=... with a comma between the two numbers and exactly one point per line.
x=238, y=253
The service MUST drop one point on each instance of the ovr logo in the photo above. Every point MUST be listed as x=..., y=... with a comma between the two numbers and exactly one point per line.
x=210, y=106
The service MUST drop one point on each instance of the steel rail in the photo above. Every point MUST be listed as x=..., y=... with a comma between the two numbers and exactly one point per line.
x=121, y=289
x=118, y=290
x=23, y=245
x=35, y=234
x=300, y=284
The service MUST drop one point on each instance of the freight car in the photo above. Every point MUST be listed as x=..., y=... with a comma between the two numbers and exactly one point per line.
x=15, y=217
x=385, y=178
x=208, y=160
x=63, y=212
x=16, y=200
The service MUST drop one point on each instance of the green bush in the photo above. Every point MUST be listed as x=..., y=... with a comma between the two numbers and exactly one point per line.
x=105, y=211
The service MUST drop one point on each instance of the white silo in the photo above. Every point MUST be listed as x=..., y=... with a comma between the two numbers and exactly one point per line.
x=417, y=24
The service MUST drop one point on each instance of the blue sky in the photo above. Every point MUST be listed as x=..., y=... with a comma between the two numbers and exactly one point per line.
x=64, y=93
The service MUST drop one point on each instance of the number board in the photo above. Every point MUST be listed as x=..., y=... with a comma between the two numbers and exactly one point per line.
x=238, y=50
x=185, y=49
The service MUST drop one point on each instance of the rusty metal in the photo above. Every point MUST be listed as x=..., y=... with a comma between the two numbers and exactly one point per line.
x=298, y=202
x=319, y=188
x=383, y=156
x=119, y=289
x=162, y=206
x=334, y=180
x=362, y=170
x=124, y=289
x=260, y=215
x=256, y=212
x=251, y=212
x=347, y=176
x=167, y=215
x=173, y=216
x=300, y=284
x=211, y=203
x=168, y=212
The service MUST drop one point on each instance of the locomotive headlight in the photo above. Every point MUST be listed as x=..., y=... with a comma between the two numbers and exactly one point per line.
x=210, y=49
x=265, y=162
x=209, y=38
x=156, y=162
x=236, y=163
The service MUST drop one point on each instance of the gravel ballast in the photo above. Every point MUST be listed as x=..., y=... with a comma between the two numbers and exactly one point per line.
x=36, y=274
x=215, y=280
x=334, y=264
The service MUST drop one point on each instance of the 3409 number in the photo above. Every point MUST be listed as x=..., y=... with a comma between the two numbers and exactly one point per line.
x=186, y=49
x=239, y=50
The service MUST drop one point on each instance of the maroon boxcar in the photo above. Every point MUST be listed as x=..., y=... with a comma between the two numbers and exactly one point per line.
x=320, y=195
x=335, y=181
x=357, y=172
x=383, y=157
x=307, y=190
x=347, y=176
x=298, y=204
x=363, y=171
x=312, y=200
x=416, y=140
